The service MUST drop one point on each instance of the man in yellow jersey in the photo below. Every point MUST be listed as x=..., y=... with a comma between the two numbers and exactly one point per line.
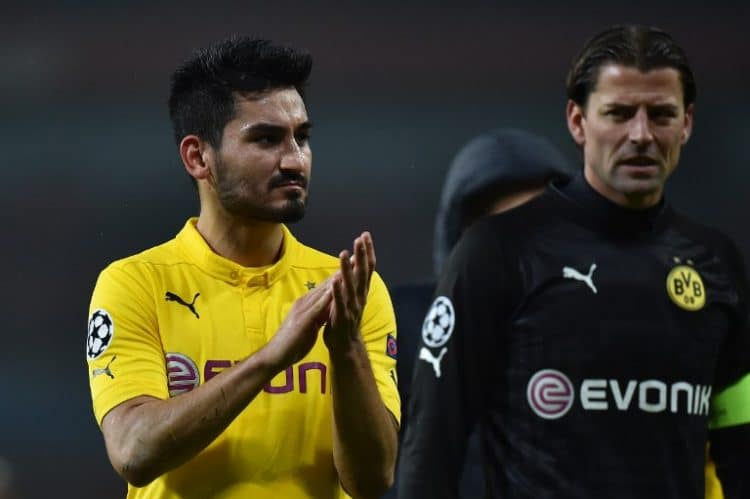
x=208, y=371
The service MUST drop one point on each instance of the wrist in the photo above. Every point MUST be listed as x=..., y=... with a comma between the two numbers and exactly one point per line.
x=352, y=348
x=270, y=360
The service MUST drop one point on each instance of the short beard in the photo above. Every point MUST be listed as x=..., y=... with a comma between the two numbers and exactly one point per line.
x=233, y=197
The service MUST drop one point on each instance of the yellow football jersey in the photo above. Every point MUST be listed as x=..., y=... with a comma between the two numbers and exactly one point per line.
x=169, y=319
x=713, y=486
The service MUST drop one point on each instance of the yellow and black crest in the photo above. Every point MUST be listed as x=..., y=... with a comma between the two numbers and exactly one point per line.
x=685, y=288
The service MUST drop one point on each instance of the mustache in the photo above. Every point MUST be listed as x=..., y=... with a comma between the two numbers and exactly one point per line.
x=285, y=178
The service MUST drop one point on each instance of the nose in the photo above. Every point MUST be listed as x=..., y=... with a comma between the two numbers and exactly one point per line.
x=640, y=128
x=294, y=158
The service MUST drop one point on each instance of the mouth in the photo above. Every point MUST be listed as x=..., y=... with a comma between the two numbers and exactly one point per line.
x=289, y=184
x=639, y=162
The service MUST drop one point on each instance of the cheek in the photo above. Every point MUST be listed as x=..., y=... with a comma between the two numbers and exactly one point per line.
x=671, y=144
x=608, y=141
x=673, y=155
x=595, y=146
x=307, y=158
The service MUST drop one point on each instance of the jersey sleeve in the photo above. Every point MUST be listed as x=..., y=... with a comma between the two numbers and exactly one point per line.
x=730, y=406
x=730, y=392
x=379, y=333
x=123, y=348
x=451, y=368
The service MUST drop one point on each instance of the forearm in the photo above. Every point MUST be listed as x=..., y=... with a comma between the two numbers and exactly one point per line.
x=365, y=433
x=150, y=437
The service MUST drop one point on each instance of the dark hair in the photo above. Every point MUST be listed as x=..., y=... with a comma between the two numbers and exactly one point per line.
x=642, y=47
x=201, y=100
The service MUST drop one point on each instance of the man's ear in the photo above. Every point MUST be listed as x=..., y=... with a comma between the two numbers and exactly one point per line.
x=576, y=118
x=688, y=128
x=196, y=156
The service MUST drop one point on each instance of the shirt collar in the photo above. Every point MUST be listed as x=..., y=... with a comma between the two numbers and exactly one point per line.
x=200, y=253
x=595, y=209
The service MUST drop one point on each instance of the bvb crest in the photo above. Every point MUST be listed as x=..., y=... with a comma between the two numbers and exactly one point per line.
x=685, y=288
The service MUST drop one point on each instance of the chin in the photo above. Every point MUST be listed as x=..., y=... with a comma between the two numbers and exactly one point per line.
x=292, y=211
x=292, y=216
x=639, y=185
x=288, y=211
x=646, y=194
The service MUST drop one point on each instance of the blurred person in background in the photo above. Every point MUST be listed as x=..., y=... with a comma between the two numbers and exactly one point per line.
x=208, y=370
x=492, y=173
x=589, y=331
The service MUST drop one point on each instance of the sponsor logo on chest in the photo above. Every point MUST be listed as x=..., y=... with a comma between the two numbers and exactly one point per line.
x=551, y=394
x=183, y=375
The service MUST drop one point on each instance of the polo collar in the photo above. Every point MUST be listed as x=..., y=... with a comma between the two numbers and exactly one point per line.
x=200, y=253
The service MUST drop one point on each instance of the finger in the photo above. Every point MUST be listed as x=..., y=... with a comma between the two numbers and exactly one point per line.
x=319, y=310
x=309, y=299
x=313, y=293
x=338, y=298
x=348, y=277
x=370, y=248
x=326, y=284
x=361, y=268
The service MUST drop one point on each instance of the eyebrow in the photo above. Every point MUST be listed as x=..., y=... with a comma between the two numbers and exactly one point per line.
x=615, y=104
x=271, y=128
x=665, y=107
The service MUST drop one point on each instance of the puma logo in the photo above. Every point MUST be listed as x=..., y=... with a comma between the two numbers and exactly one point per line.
x=571, y=273
x=173, y=297
x=106, y=370
x=426, y=355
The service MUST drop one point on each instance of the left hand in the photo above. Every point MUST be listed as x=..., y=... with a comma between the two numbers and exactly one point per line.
x=350, y=283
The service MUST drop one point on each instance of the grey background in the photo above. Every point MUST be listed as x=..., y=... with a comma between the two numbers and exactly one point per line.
x=90, y=172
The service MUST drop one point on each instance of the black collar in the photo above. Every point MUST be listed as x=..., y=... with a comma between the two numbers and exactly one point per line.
x=591, y=208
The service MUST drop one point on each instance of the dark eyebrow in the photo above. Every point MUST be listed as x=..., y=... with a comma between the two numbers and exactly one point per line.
x=665, y=107
x=659, y=107
x=618, y=105
x=274, y=129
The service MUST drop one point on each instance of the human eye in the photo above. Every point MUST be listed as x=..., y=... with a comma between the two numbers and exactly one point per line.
x=662, y=114
x=619, y=113
x=303, y=138
x=265, y=139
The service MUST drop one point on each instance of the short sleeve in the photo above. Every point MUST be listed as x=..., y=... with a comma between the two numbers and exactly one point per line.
x=379, y=333
x=734, y=363
x=123, y=348
x=730, y=403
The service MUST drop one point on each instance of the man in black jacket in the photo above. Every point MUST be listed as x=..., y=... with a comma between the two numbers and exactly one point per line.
x=588, y=330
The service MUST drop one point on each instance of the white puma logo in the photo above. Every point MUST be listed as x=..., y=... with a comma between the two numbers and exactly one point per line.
x=425, y=354
x=571, y=273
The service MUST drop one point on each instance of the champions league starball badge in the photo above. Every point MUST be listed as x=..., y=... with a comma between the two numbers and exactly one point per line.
x=438, y=325
x=100, y=333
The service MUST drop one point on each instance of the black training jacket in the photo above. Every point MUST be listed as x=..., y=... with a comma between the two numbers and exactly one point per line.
x=586, y=341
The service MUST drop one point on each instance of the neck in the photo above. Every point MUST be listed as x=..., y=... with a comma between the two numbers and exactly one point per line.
x=632, y=202
x=248, y=243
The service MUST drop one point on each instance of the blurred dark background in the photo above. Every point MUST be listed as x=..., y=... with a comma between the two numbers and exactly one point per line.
x=91, y=173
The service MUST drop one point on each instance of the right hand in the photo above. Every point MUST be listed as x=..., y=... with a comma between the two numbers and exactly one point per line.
x=299, y=331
